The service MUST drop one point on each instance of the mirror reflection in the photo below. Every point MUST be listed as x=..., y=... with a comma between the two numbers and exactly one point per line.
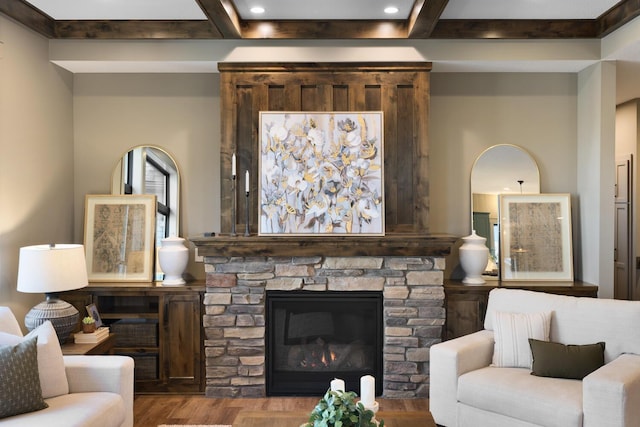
x=500, y=169
x=151, y=170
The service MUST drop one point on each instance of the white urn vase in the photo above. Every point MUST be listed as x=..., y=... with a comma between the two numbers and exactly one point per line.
x=173, y=257
x=474, y=256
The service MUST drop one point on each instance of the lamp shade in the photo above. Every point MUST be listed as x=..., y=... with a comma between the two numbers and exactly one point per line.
x=52, y=268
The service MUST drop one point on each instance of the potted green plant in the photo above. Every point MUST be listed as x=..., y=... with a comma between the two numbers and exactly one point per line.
x=340, y=409
x=88, y=325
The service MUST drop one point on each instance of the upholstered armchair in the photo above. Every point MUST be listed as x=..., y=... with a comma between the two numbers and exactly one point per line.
x=541, y=360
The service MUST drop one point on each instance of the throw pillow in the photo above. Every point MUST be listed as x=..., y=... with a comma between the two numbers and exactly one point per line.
x=53, y=377
x=19, y=382
x=552, y=359
x=511, y=334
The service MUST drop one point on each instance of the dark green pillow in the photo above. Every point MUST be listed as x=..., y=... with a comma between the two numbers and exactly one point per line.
x=551, y=359
x=20, y=390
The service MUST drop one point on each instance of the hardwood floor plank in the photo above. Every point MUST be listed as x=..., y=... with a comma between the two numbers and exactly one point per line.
x=153, y=410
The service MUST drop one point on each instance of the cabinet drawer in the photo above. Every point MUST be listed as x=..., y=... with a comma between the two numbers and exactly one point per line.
x=136, y=332
x=145, y=366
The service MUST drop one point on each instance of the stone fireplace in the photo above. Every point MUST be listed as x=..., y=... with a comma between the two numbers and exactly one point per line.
x=406, y=265
x=413, y=311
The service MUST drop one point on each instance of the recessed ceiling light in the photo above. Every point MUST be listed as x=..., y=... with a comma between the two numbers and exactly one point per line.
x=390, y=10
x=257, y=9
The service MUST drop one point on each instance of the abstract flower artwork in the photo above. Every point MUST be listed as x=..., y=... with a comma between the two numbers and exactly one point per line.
x=321, y=173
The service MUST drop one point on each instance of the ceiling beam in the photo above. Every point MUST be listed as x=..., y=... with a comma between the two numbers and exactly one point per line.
x=303, y=29
x=27, y=15
x=224, y=22
x=424, y=17
x=222, y=14
x=155, y=29
x=515, y=29
x=617, y=16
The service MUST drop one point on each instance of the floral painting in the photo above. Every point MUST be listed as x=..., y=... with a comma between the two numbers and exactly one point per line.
x=321, y=173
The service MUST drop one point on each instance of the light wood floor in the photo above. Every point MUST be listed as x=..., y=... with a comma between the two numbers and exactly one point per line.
x=153, y=410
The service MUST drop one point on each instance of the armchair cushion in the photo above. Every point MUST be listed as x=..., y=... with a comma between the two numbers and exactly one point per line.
x=20, y=390
x=518, y=395
x=53, y=378
x=96, y=409
x=552, y=359
x=511, y=334
x=113, y=374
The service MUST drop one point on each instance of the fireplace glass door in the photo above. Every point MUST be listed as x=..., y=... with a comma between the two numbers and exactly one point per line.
x=314, y=337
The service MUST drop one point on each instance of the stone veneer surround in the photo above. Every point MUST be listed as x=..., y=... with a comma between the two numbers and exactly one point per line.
x=234, y=319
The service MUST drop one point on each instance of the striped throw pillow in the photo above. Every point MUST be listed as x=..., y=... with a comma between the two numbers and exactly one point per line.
x=511, y=334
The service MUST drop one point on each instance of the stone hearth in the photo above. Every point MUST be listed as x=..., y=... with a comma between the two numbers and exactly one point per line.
x=234, y=319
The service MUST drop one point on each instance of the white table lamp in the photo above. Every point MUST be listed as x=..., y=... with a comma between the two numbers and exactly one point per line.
x=51, y=269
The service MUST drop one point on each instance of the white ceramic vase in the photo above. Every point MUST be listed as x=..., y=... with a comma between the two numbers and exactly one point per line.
x=474, y=256
x=173, y=257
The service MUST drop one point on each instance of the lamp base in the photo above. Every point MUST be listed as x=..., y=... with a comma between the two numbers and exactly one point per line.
x=63, y=317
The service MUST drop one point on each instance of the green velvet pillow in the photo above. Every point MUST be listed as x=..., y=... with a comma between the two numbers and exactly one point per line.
x=551, y=359
x=20, y=390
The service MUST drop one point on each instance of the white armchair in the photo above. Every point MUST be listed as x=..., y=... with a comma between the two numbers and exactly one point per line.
x=100, y=390
x=467, y=390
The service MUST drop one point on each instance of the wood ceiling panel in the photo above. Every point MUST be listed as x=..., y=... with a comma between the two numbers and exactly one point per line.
x=521, y=29
x=136, y=30
x=29, y=16
x=617, y=16
x=223, y=15
x=424, y=17
x=360, y=29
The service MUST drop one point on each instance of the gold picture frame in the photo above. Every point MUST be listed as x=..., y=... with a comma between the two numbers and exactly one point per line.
x=321, y=173
x=536, y=237
x=119, y=237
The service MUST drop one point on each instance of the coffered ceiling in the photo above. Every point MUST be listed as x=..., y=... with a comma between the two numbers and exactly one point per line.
x=322, y=19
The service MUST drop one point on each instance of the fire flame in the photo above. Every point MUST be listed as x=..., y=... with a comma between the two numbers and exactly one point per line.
x=324, y=358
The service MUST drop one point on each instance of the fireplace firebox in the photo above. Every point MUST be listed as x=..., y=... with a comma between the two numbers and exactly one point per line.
x=313, y=337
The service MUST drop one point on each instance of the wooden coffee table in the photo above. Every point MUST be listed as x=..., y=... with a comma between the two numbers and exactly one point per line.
x=296, y=418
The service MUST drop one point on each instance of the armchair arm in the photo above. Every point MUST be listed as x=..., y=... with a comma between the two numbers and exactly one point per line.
x=611, y=394
x=447, y=361
x=102, y=373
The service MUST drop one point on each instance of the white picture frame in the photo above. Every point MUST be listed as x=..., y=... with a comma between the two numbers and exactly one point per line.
x=321, y=173
x=536, y=237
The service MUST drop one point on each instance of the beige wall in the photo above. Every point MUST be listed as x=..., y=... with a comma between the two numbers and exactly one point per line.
x=36, y=154
x=469, y=112
x=177, y=112
x=109, y=113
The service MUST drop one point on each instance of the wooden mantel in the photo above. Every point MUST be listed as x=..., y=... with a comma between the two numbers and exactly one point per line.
x=389, y=245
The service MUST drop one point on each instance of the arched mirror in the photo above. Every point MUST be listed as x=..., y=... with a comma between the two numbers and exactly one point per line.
x=500, y=169
x=151, y=170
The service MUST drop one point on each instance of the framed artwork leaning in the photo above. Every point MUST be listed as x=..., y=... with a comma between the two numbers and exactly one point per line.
x=536, y=237
x=119, y=237
x=321, y=173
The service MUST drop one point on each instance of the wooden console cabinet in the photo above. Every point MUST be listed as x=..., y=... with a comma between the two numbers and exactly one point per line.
x=466, y=305
x=160, y=327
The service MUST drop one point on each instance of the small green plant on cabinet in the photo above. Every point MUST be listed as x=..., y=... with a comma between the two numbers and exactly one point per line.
x=339, y=409
x=88, y=325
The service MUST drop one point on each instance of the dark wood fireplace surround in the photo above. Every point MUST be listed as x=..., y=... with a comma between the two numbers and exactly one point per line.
x=406, y=264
